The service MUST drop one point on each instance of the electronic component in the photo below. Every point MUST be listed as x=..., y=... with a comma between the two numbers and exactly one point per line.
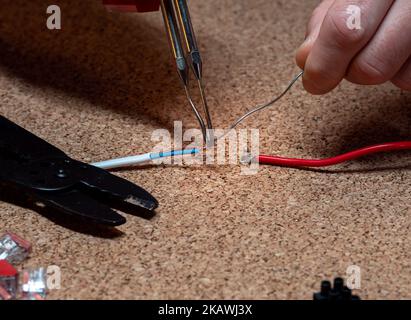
x=8, y=280
x=13, y=248
x=33, y=283
x=338, y=292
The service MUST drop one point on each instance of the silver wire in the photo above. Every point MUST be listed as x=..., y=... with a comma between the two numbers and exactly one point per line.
x=266, y=105
x=197, y=114
x=261, y=107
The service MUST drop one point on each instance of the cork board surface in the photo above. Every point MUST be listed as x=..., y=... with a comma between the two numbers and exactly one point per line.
x=100, y=86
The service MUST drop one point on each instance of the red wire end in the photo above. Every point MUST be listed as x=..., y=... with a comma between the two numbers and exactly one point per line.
x=294, y=162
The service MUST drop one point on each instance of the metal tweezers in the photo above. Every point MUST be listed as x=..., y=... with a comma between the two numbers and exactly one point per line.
x=187, y=56
x=49, y=178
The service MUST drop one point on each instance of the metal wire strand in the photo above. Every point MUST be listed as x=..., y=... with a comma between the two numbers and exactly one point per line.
x=266, y=105
x=197, y=114
x=260, y=107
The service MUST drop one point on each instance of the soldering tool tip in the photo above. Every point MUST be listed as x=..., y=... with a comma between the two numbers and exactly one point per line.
x=197, y=65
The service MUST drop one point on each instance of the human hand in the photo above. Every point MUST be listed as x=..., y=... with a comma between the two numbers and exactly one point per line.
x=375, y=50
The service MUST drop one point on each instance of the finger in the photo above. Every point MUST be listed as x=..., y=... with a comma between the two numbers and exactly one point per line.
x=338, y=42
x=403, y=78
x=313, y=29
x=388, y=50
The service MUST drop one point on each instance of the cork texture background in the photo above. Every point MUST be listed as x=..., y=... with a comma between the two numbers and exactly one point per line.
x=100, y=86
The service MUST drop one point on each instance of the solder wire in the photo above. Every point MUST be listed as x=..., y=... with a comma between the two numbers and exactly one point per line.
x=266, y=105
x=260, y=107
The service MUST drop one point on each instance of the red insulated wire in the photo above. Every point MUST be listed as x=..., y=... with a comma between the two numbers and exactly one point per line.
x=293, y=162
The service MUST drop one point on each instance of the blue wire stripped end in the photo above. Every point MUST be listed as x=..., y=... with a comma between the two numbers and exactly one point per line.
x=173, y=153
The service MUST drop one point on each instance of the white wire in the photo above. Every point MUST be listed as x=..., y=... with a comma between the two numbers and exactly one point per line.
x=123, y=162
x=143, y=158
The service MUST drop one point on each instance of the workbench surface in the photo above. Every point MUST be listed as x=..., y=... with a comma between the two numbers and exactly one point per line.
x=100, y=86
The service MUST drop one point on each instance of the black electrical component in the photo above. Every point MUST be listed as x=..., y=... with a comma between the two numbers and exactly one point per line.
x=339, y=292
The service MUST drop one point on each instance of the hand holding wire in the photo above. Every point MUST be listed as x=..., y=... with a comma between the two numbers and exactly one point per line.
x=365, y=42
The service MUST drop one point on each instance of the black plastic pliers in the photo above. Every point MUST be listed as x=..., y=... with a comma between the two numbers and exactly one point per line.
x=48, y=177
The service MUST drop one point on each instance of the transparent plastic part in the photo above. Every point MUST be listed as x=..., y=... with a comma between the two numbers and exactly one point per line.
x=13, y=248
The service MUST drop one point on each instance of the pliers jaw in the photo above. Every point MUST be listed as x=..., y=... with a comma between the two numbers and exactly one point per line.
x=51, y=179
